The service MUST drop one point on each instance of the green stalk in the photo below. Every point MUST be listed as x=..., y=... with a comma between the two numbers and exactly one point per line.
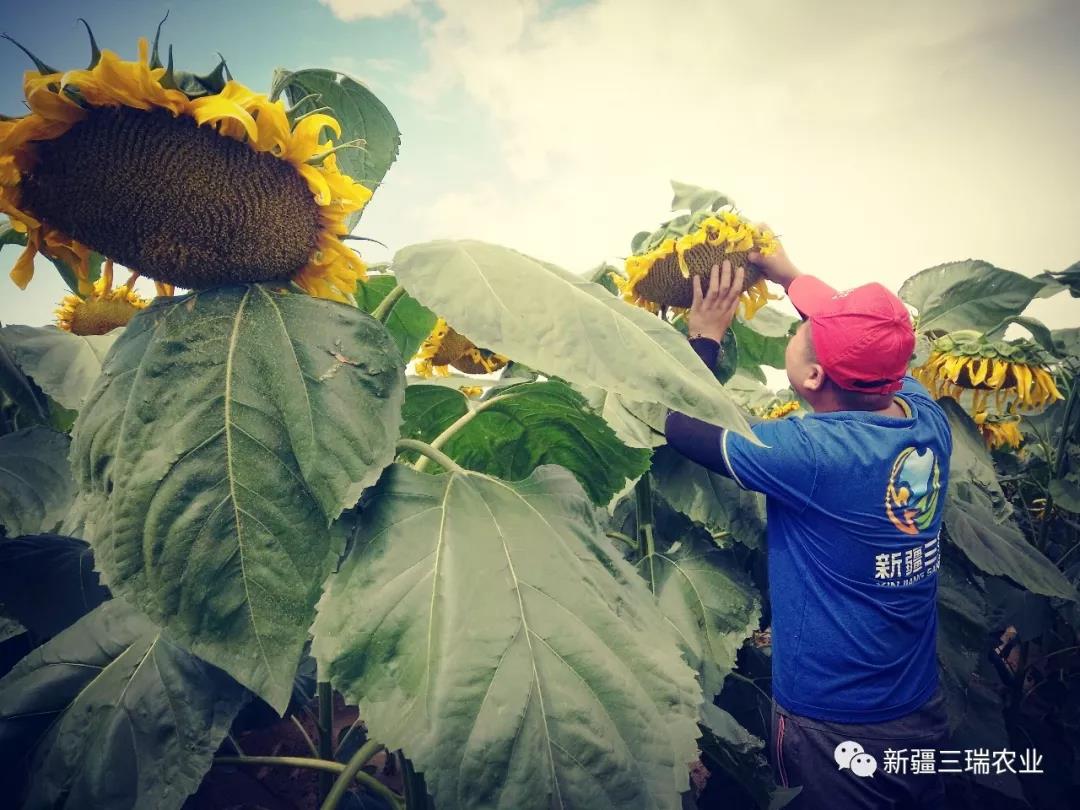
x=325, y=766
x=458, y=424
x=382, y=311
x=644, y=508
x=326, y=732
x=430, y=452
x=352, y=771
x=292, y=762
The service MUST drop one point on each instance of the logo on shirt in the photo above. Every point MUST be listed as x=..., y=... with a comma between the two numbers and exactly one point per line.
x=911, y=497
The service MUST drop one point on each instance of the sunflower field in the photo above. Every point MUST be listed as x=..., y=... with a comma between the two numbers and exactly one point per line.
x=301, y=532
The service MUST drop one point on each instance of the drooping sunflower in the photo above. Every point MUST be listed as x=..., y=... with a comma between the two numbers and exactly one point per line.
x=659, y=273
x=104, y=309
x=444, y=348
x=999, y=431
x=1013, y=372
x=190, y=181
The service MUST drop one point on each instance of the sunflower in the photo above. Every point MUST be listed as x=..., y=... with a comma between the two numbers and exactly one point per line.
x=471, y=391
x=191, y=181
x=444, y=348
x=781, y=410
x=999, y=431
x=1013, y=372
x=104, y=309
x=660, y=274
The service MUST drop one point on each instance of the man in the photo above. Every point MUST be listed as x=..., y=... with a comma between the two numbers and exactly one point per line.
x=854, y=494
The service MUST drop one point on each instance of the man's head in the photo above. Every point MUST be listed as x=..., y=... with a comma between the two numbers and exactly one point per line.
x=853, y=347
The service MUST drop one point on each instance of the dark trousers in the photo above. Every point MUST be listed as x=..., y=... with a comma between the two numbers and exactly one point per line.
x=803, y=752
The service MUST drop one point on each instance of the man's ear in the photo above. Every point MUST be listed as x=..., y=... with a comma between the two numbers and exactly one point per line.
x=815, y=379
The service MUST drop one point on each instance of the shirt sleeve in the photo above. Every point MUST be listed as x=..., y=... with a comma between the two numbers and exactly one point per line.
x=707, y=349
x=785, y=468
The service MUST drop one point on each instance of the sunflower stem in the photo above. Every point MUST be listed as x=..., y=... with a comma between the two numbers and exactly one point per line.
x=429, y=452
x=458, y=424
x=326, y=732
x=307, y=737
x=382, y=311
x=352, y=771
x=644, y=509
x=324, y=765
x=623, y=538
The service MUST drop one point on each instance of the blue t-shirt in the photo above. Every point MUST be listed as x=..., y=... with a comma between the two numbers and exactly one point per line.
x=854, y=503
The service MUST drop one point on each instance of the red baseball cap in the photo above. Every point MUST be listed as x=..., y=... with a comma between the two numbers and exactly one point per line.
x=863, y=337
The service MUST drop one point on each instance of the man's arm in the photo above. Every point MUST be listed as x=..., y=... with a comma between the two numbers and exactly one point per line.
x=699, y=441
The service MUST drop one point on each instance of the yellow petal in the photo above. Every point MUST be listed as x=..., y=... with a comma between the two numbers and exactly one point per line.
x=215, y=109
x=305, y=136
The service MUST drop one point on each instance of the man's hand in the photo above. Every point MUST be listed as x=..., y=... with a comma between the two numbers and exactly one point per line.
x=776, y=267
x=711, y=313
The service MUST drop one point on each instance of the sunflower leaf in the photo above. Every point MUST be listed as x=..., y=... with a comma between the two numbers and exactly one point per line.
x=711, y=603
x=978, y=517
x=493, y=630
x=710, y=499
x=409, y=322
x=688, y=197
x=969, y=294
x=552, y=320
x=63, y=365
x=36, y=487
x=228, y=429
x=361, y=115
x=530, y=424
x=119, y=715
x=48, y=582
x=22, y=403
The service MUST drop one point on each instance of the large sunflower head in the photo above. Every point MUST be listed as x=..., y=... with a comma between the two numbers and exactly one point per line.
x=999, y=431
x=659, y=274
x=444, y=348
x=103, y=310
x=1013, y=372
x=191, y=181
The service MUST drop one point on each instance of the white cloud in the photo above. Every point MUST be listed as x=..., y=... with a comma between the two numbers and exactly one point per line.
x=878, y=138
x=350, y=10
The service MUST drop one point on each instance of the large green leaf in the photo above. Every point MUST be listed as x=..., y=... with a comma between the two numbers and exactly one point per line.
x=971, y=294
x=550, y=319
x=969, y=683
x=529, y=424
x=22, y=404
x=122, y=718
x=979, y=519
x=64, y=365
x=710, y=602
x=36, y=486
x=359, y=112
x=713, y=500
x=48, y=582
x=688, y=197
x=732, y=753
x=229, y=428
x=763, y=341
x=491, y=630
x=409, y=322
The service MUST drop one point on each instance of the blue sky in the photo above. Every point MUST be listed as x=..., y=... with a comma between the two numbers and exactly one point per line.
x=877, y=138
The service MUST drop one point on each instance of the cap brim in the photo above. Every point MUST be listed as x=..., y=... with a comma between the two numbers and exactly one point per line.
x=809, y=294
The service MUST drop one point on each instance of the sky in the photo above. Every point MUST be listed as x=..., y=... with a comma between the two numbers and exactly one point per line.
x=877, y=138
